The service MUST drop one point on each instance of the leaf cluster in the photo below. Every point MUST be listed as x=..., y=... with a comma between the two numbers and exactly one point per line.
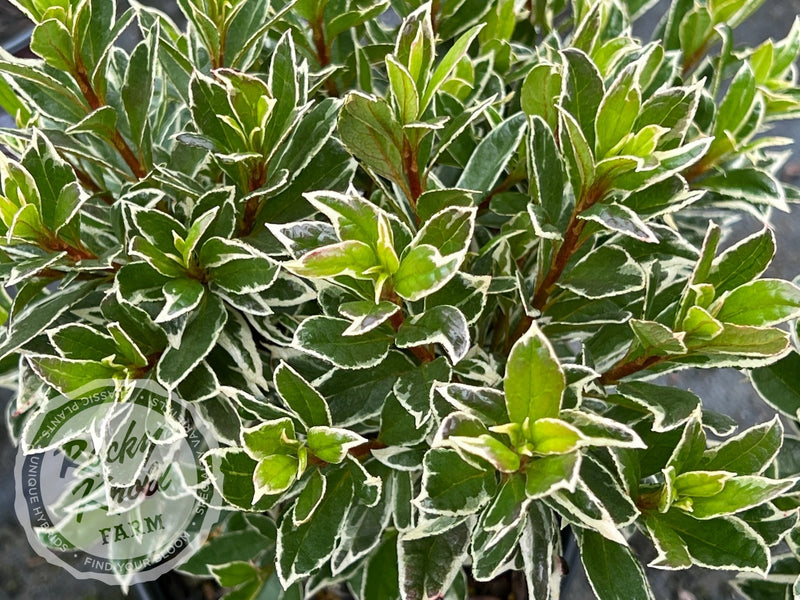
x=418, y=266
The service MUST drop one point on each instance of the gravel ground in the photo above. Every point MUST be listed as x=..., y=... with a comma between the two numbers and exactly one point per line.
x=25, y=576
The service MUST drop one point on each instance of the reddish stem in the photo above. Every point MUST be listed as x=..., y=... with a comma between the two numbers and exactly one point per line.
x=117, y=140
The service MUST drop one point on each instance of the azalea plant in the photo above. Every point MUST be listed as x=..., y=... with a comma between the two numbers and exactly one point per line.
x=420, y=267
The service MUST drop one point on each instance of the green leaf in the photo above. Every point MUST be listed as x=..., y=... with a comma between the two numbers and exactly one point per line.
x=490, y=449
x=451, y=486
x=695, y=30
x=208, y=101
x=199, y=337
x=751, y=185
x=658, y=339
x=37, y=316
x=371, y=133
x=621, y=219
x=492, y=550
x=229, y=546
x=539, y=547
x=613, y=571
x=739, y=494
x=51, y=175
x=541, y=92
x=534, y=381
x=60, y=99
x=484, y=403
x=760, y=303
x=721, y=543
x=332, y=444
x=434, y=201
x=671, y=407
x=137, y=89
x=273, y=475
x=546, y=171
x=743, y=341
x=356, y=395
x=79, y=341
x=400, y=428
x=137, y=323
x=270, y=437
x=429, y=565
x=553, y=436
x=183, y=296
x=414, y=46
x=367, y=315
x=53, y=42
x=687, y=453
x=308, y=138
x=423, y=270
x=306, y=402
x=353, y=18
x=236, y=267
x=492, y=155
x=446, y=66
x=617, y=112
x=672, y=551
x=467, y=293
x=443, y=325
x=778, y=384
x=324, y=338
x=231, y=473
x=671, y=108
x=583, y=92
x=353, y=217
x=303, y=549
x=700, y=326
x=381, y=574
x=548, y=474
x=742, y=262
x=168, y=265
x=585, y=508
x=700, y=483
x=606, y=271
x=449, y=231
x=404, y=90
x=345, y=258
x=68, y=375
x=128, y=351
x=737, y=104
x=284, y=86
x=602, y=431
x=234, y=573
x=507, y=507
x=750, y=452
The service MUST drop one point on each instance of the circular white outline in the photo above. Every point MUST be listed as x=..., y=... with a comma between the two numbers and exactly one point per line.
x=164, y=565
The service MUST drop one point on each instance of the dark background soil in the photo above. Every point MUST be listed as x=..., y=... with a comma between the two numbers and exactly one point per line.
x=25, y=576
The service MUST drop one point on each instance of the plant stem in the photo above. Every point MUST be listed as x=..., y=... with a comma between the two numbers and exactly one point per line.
x=625, y=368
x=412, y=171
x=397, y=319
x=411, y=168
x=361, y=451
x=568, y=247
x=435, y=7
x=572, y=242
x=323, y=53
x=257, y=179
x=690, y=62
x=117, y=140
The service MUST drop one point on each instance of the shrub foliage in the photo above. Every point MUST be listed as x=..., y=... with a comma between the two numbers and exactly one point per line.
x=419, y=266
